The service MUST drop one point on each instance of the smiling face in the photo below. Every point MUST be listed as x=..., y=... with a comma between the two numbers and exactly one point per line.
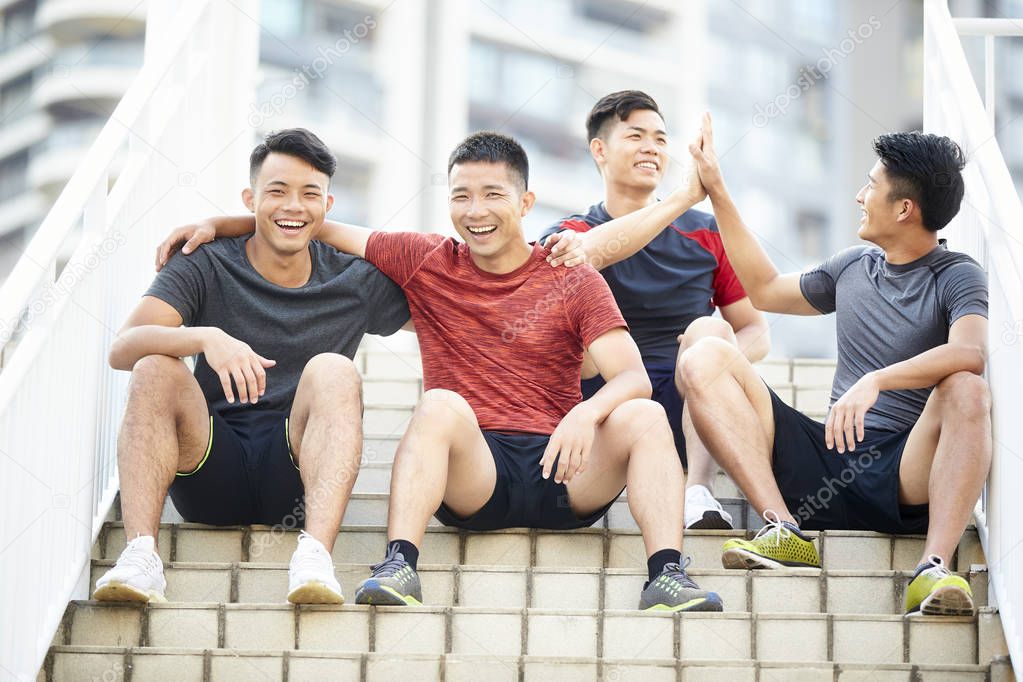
x=882, y=218
x=290, y=200
x=487, y=203
x=633, y=152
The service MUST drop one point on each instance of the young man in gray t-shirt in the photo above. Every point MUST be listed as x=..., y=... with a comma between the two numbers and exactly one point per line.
x=907, y=443
x=268, y=429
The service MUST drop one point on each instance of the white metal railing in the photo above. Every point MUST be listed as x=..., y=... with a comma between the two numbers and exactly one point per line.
x=60, y=404
x=990, y=228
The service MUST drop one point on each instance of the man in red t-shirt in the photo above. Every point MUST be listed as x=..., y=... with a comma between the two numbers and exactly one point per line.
x=501, y=438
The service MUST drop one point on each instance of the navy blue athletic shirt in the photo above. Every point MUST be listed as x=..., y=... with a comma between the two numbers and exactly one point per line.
x=682, y=274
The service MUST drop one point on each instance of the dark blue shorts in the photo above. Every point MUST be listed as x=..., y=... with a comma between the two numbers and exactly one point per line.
x=826, y=490
x=522, y=497
x=247, y=476
x=662, y=379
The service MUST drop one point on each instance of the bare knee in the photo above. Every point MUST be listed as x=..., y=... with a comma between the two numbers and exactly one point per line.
x=704, y=363
x=965, y=395
x=440, y=408
x=333, y=375
x=707, y=327
x=158, y=375
x=641, y=417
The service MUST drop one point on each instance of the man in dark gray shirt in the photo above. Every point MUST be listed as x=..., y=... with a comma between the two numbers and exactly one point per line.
x=907, y=443
x=268, y=429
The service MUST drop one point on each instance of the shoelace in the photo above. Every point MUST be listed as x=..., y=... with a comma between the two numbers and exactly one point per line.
x=392, y=563
x=313, y=557
x=138, y=557
x=773, y=525
x=678, y=573
x=937, y=566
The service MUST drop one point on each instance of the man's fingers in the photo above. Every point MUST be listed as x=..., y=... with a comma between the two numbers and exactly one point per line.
x=850, y=434
x=564, y=459
x=225, y=382
x=239, y=385
x=708, y=130
x=839, y=429
x=860, y=435
x=251, y=383
x=548, y=457
x=266, y=362
x=829, y=430
x=257, y=369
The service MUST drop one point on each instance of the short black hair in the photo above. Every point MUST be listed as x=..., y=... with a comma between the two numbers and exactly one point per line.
x=927, y=169
x=616, y=106
x=493, y=147
x=297, y=142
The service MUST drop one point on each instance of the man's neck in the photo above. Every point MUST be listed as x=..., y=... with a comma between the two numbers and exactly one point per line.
x=509, y=260
x=909, y=250
x=289, y=271
x=620, y=200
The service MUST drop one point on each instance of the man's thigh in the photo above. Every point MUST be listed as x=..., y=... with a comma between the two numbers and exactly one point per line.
x=918, y=455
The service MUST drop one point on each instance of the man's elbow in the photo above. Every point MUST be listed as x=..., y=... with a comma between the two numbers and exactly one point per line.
x=976, y=359
x=644, y=388
x=118, y=357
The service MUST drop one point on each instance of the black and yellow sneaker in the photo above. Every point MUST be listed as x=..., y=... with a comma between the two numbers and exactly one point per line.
x=936, y=591
x=674, y=590
x=393, y=583
x=779, y=544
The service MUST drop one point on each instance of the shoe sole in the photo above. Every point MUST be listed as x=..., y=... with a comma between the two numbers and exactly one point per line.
x=315, y=592
x=712, y=602
x=711, y=520
x=374, y=593
x=746, y=560
x=122, y=592
x=947, y=601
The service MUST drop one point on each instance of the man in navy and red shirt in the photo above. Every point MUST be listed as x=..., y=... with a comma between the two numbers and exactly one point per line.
x=667, y=269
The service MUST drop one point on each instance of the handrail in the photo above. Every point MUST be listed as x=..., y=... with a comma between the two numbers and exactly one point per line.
x=990, y=228
x=60, y=404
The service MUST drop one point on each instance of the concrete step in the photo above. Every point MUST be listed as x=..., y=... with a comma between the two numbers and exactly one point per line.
x=788, y=591
x=619, y=634
x=584, y=548
x=229, y=665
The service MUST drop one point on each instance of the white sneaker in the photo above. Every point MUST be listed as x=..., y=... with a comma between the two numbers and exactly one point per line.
x=703, y=512
x=311, y=574
x=137, y=575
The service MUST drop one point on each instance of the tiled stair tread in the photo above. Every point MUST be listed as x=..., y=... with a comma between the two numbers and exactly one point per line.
x=836, y=592
x=237, y=664
x=618, y=634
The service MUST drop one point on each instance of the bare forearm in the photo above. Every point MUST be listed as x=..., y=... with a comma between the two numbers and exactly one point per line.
x=622, y=237
x=626, y=385
x=133, y=344
x=754, y=340
x=751, y=263
x=930, y=367
x=234, y=225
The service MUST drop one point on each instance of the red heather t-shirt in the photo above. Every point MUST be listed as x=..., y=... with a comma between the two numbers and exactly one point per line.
x=512, y=344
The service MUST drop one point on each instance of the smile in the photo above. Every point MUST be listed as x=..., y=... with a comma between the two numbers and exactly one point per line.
x=481, y=229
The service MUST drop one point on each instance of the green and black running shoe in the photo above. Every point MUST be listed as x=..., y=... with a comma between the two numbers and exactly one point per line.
x=936, y=591
x=393, y=583
x=674, y=590
x=778, y=545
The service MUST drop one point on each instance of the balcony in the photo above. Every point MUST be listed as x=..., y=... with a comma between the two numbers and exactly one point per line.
x=72, y=20
x=90, y=78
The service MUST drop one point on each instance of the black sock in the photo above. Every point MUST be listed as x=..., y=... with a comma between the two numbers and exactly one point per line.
x=407, y=549
x=661, y=558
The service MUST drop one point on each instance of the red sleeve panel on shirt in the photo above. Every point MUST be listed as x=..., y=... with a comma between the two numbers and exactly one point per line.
x=727, y=289
x=575, y=224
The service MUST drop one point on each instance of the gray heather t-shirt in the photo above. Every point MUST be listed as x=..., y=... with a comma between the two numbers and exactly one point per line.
x=888, y=313
x=344, y=298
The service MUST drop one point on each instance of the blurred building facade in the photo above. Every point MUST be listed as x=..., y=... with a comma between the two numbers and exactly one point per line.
x=798, y=89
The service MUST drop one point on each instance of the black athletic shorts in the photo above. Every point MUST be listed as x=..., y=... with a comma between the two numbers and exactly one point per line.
x=522, y=497
x=856, y=490
x=247, y=476
x=662, y=379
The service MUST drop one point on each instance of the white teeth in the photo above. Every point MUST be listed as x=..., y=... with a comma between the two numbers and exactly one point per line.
x=481, y=229
x=290, y=223
x=647, y=164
